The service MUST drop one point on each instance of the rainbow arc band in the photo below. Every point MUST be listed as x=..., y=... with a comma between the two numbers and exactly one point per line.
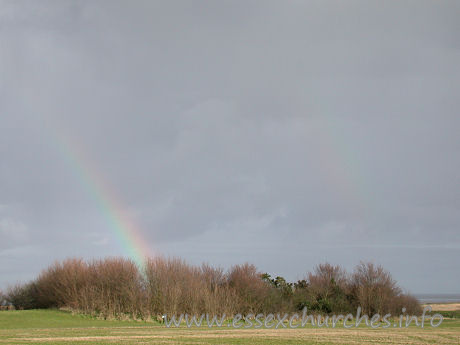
x=128, y=234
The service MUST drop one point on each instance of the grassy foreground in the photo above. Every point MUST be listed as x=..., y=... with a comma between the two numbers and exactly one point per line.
x=59, y=327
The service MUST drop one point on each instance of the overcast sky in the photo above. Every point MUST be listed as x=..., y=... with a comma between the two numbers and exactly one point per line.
x=283, y=133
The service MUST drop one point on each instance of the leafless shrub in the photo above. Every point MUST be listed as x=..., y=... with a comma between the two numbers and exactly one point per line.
x=164, y=284
x=407, y=301
x=114, y=287
x=218, y=296
x=250, y=289
x=374, y=288
x=326, y=278
x=61, y=284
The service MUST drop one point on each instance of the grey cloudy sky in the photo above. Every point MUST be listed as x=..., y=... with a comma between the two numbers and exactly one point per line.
x=284, y=133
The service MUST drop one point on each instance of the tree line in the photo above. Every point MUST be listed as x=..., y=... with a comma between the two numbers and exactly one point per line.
x=118, y=288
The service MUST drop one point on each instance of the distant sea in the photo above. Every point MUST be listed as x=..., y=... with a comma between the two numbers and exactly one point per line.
x=438, y=298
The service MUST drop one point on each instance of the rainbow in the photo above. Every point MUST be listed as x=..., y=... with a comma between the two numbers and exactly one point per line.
x=125, y=230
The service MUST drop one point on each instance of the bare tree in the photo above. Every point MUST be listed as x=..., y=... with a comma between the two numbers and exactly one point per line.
x=326, y=278
x=374, y=288
x=249, y=287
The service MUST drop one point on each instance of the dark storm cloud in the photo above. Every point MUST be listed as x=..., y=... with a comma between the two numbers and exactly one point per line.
x=283, y=133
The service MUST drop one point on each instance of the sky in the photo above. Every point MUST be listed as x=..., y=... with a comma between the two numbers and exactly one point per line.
x=282, y=133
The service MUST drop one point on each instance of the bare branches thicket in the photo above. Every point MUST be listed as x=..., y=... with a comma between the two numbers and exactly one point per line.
x=118, y=288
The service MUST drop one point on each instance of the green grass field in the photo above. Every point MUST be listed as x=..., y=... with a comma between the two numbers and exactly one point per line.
x=59, y=327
